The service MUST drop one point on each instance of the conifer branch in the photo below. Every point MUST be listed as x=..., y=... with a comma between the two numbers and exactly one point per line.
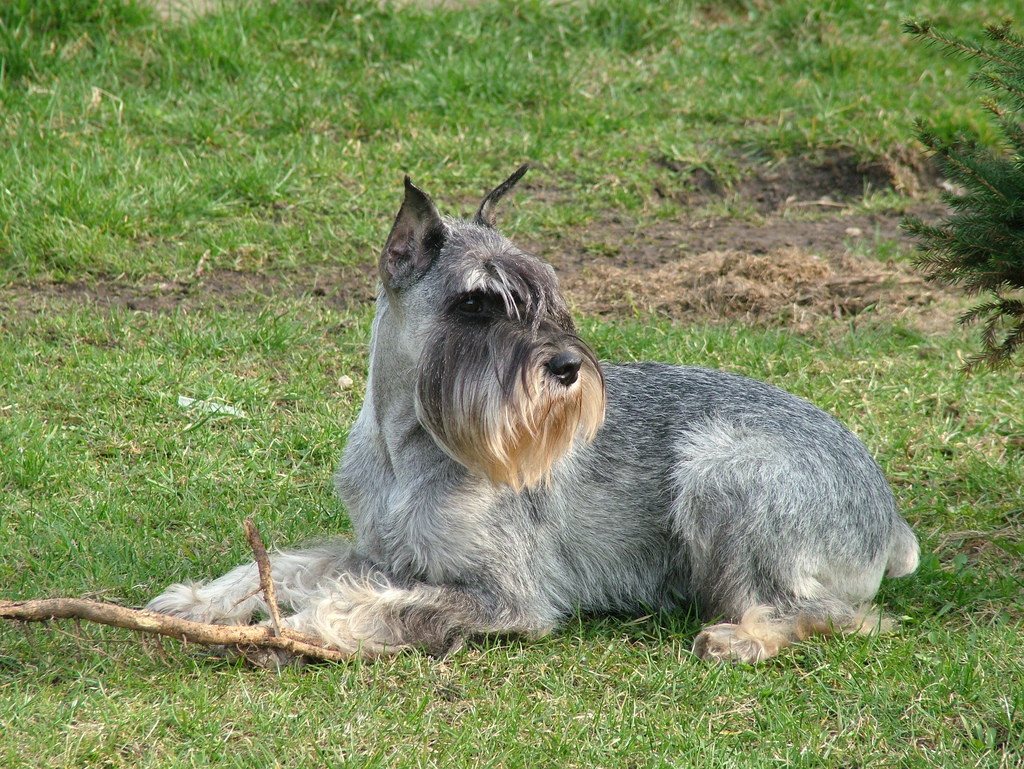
x=923, y=29
x=979, y=245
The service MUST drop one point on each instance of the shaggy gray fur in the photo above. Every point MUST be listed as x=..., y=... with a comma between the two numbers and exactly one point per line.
x=480, y=506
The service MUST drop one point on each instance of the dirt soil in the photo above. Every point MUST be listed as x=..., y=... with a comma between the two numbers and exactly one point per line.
x=183, y=10
x=806, y=252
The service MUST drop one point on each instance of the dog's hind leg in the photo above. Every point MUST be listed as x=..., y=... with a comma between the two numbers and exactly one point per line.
x=235, y=598
x=763, y=632
x=787, y=535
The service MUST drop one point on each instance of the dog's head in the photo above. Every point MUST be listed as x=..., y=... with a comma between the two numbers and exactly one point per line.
x=502, y=383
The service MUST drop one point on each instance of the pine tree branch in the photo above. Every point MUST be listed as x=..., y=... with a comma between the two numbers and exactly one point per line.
x=979, y=246
x=970, y=173
x=923, y=30
x=1003, y=33
x=996, y=83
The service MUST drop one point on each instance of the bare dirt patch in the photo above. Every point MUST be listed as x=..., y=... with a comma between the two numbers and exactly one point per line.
x=808, y=250
x=340, y=286
x=788, y=263
x=185, y=10
x=784, y=286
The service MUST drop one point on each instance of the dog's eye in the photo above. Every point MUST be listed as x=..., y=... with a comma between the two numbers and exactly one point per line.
x=471, y=305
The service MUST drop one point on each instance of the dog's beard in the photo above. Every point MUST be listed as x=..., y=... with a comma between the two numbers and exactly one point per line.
x=490, y=402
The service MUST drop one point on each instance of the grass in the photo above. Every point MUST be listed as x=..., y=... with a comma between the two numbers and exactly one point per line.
x=271, y=138
x=277, y=133
x=116, y=490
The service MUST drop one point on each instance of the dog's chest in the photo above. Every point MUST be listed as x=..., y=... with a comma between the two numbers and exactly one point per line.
x=439, y=537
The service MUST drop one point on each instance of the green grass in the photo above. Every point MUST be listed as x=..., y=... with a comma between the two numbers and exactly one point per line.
x=274, y=137
x=114, y=490
x=277, y=133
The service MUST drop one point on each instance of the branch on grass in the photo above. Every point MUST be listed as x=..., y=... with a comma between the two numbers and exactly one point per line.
x=245, y=637
x=259, y=552
x=248, y=639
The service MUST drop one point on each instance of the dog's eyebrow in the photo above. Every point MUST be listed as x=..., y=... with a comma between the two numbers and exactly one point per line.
x=506, y=286
x=517, y=301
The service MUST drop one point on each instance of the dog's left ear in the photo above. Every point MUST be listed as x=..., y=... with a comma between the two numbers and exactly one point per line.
x=486, y=216
x=415, y=239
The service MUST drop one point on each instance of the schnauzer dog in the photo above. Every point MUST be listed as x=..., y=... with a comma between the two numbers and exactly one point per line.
x=501, y=479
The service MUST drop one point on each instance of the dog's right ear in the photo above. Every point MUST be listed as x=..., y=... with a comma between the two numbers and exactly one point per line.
x=415, y=240
x=486, y=215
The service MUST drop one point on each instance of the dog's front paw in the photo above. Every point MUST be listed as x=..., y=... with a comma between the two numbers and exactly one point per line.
x=727, y=643
x=198, y=604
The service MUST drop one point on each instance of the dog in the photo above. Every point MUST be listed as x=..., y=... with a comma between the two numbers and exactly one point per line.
x=501, y=479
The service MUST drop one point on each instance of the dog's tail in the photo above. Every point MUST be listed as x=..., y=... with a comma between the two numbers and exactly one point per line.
x=905, y=552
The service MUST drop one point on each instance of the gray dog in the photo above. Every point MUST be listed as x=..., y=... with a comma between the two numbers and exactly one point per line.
x=500, y=479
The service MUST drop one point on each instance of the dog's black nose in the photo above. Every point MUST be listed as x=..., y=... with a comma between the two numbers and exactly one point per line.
x=565, y=366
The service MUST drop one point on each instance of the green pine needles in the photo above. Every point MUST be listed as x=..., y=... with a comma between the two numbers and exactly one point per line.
x=979, y=245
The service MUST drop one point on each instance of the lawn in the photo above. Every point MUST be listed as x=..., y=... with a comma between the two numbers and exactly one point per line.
x=192, y=207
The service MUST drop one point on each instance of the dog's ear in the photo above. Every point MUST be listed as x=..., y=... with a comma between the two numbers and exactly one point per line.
x=415, y=239
x=486, y=216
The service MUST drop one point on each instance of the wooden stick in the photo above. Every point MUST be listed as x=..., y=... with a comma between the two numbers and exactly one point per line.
x=242, y=636
x=247, y=638
x=259, y=552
